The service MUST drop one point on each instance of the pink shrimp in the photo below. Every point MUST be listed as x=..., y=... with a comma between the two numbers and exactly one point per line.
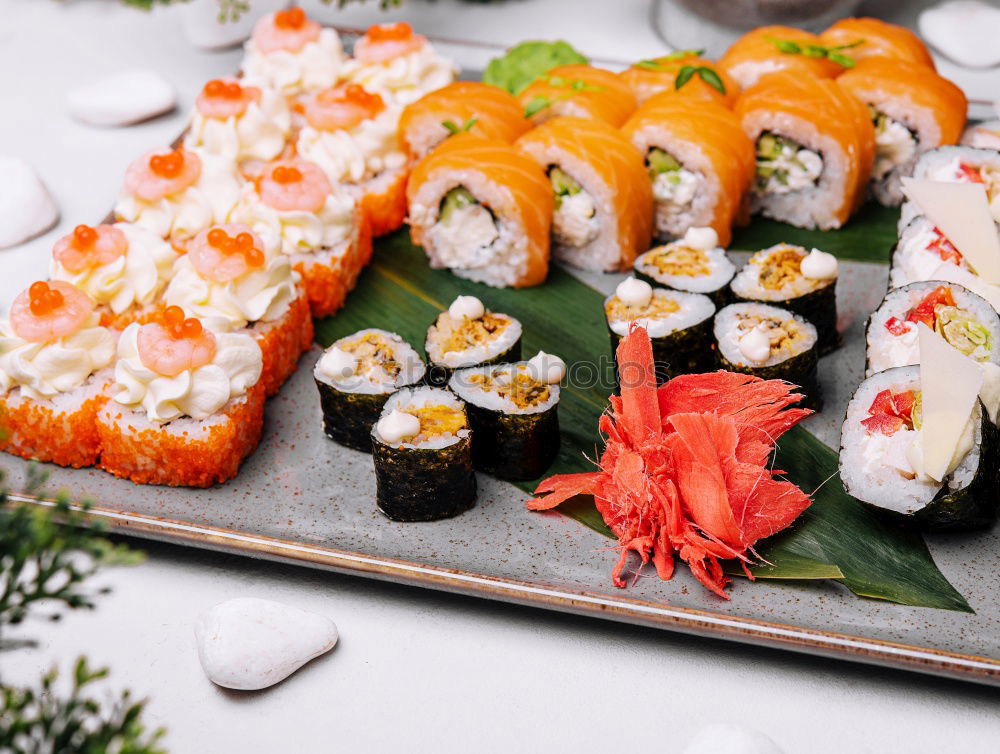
x=162, y=173
x=289, y=30
x=384, y=42
x=226, y=252
x=292, y=185
x=88, y=247
x=342, y=107
x=175, y=344
x=225, y=98
x=49, y=310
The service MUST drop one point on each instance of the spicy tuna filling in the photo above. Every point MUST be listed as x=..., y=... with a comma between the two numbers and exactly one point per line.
x=520, y=388
x=785, y=337
x=674, y=186
x=895, y=144
x=574, y=222
x=473, y=333
x=784, y=166
x=376, y=358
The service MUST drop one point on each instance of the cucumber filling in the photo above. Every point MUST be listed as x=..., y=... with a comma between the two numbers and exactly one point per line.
x=783, y=166
x=574, y=222
x=465, y=228
x=963, y=332
x=673, y=185
x=895, y=144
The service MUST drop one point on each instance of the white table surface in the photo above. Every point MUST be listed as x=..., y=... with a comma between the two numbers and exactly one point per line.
x=415, y=671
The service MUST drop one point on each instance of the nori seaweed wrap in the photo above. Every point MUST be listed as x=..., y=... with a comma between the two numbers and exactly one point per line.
x=686, y=265
x=770, y=343
x=469, y=335
x=425, y=472
x=513, y=412
x=679, y=326
x=776, y=276
x=356, y=375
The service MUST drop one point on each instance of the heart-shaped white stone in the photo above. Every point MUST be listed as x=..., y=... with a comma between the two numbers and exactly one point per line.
x=122, y=98
x=730, y=738
x=249, y=643
x=964, y=30
x=27, y=209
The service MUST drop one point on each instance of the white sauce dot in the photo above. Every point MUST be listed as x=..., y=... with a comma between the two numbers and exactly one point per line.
x=547, y=368
x=634, y=292
x=755, y=346
x=818, y=265
x=466, y=306
x=337, y=364
x=398, y=425
x=701, y=238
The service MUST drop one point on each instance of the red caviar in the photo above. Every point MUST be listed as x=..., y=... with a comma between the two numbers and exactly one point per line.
x=293, y=18
x=174, y=322
x=242, y=243
x=167, y=165
x=84, y=236
x=44, y=300
x=223, y=89
x=355, y=94
x=390, y=32
x=284, y=174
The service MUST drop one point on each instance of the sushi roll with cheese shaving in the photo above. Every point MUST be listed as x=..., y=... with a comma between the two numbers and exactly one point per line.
x=693, y=264
x=467, y=335
x=957, y=165
x=924, y=253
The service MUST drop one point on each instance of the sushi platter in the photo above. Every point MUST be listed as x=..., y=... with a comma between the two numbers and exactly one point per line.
x=568, y=338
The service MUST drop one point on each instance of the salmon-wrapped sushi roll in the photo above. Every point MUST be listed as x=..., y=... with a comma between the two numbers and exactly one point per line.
x=863, y=38
x=699, y=163
x=698, y=78
x=291, y=52
x=815, y=149
x=122, y=267
x=465, y=106
x=776, y=48
x=324, y=232
x=232, y=281
x=54, y=359
x=482, y=209
x=603, y=200
x=176, y=193
x=187, y=403
x=581, y=91
x=913, y=110
x=398, y=65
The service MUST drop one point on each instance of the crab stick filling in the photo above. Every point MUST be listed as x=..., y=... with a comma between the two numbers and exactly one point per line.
x=895, y=144
x=574, y=222
x=118, y=266
x=400, y=66
x=52, y=342
x=293, y=53
x=239, y=122
x=466, y=234
x=784, y=166
x=175, y=367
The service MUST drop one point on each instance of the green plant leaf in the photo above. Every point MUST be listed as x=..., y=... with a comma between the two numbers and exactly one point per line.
x=711, y=78
x=683, y=76
x=451, y=126
x=536, y=105
x=647, y=65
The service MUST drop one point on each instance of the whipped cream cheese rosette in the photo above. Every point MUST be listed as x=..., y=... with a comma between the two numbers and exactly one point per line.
x=293, y=53
x=188, y=403
x=122, y=267
x=239, y=123
x=177, y=193
x=52, y=353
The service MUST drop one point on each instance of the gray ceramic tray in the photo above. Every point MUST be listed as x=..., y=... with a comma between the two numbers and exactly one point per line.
x=303, y=499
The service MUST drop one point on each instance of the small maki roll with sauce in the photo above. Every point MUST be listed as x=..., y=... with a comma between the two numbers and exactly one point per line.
x=770, y=343
x=694, y=264
x=803, y=281
x=356, y=375
x=422, y=449
x=679, y=326
x=469, y=335
x=513, y=411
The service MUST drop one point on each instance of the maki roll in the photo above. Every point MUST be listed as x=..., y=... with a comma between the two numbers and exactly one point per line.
x=966, y=321
x=770, y=343
x=603, y=201
x=923, y=253
x=803, y=282
x=356, y=375
x=958, y=165
x=469, y=335
x=513, y=412
x=581, y=91
x=694, y=264
x=679, y=326
x=422, y=449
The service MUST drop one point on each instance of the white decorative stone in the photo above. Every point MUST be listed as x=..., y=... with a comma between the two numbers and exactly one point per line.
x=249, y=643
x=202, y=28
x=27, y=209
x=122, y=98
x=730, y=738
x=964, y=30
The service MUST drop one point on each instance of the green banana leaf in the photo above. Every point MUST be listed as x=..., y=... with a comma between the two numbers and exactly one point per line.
x=838, y=538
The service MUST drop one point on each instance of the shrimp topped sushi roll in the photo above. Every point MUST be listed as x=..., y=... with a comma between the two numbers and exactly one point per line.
x=291, y=52
x=422, y=449
x=699, y=161
x=356, y=375
x=769, y=49
x=815, y=146
x=679, y=326
x=124, y=268
x=468, y=335
x=187, y=403
x=913, y=110
x=603, y=200
x=482, y=209
x=321, y=230
x=581, y=91
x=54, y=356
x=465, y=106
x=958, y=165
x=514, y=414
x=239, y=123
x=803, y=281
x=924, y=253
x=398, y=65
x=770, y=343
x=966, y=321
x=865, y=38
x=177, y=193
x=694, y=264
x=647, y=78
x=231, y=281
x=351, y=134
